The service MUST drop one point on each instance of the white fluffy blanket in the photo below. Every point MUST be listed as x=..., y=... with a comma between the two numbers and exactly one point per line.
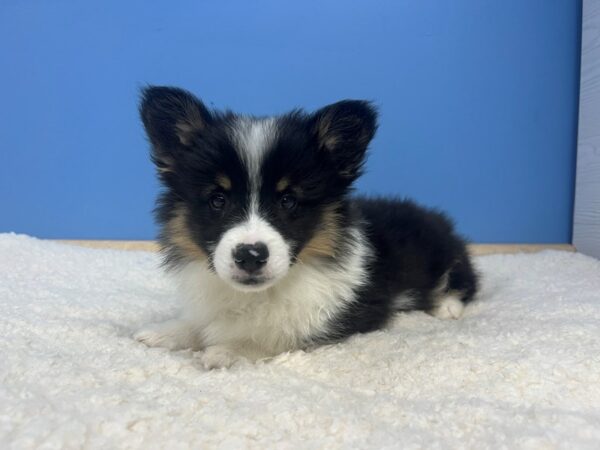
x=521, y=369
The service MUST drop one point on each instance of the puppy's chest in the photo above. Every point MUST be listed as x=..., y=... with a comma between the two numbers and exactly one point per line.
x=279, y=320
x=282, y=318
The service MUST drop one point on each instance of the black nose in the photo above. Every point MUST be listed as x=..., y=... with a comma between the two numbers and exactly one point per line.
x=251, y=257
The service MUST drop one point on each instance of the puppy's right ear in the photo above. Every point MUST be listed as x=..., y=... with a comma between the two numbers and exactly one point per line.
x=171, y=117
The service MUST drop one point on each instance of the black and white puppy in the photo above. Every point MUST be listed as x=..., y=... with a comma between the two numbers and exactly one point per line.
x=271, y=252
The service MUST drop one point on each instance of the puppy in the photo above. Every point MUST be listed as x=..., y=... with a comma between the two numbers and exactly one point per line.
x=271, y=252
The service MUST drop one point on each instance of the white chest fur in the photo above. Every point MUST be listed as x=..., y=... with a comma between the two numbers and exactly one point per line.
x=283, y=317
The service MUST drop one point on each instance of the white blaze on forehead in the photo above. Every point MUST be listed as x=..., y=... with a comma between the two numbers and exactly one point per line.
x=253, y=139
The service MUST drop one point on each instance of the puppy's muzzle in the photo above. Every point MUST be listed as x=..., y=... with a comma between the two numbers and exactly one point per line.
x=251, y=257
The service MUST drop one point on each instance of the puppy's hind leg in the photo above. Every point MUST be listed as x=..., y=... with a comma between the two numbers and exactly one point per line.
x=448, y=306
x=173, y=334
x=456, y=289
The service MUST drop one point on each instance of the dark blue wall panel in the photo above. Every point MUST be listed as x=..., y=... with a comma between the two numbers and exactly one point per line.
x=478, y=101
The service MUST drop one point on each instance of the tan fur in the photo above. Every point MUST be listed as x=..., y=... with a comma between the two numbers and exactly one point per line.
x=282, y=184
x=229, y=325
x=165, y=165
x=193, y=123
x=330, y=128
x=328, y=140
x=178, y=233
x=324, y=242
x=185, y=132
x=224, y=181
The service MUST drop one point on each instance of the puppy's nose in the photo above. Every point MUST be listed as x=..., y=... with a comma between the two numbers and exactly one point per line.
x=251, y=257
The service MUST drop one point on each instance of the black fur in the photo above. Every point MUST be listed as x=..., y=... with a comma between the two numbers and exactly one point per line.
x=415, y=250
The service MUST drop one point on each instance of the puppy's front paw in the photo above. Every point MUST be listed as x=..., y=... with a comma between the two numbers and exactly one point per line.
x=218, y=356
x=172, y=334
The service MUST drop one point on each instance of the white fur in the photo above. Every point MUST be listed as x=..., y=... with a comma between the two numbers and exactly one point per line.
x=253, y=139
x=218, y=356
x=230, y=320
x=286, y=316
x=448, y=307
x=404, y=301
x=252, y=231
x=173, y=334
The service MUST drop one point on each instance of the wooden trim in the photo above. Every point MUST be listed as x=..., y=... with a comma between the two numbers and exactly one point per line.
x=476, y=249
x=149, y=246
x=488, y=249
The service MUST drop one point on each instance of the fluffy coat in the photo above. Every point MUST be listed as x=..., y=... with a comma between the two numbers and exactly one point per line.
x=271, y=250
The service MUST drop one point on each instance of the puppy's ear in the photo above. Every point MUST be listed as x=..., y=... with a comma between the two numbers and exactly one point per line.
x=344, y=130
x=171, y=117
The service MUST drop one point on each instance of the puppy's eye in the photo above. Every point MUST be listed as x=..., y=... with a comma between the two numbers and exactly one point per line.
x=217, y=201
x=288, y=201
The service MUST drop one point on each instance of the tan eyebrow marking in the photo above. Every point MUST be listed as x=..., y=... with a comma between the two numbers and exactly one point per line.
x=282, y=184
x=224, y=181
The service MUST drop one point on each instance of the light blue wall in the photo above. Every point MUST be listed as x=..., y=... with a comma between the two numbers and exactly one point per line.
x=478, y=101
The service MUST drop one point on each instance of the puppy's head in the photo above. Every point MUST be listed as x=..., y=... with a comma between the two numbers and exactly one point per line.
x=252, y=196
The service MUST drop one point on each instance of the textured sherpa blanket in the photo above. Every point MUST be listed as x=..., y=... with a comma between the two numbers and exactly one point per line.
x=521, y=369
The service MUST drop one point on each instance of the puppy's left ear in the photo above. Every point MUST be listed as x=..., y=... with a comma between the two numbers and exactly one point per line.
x=343, y=131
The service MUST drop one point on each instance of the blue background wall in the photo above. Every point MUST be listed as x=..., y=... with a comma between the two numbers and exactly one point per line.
x=478, y=101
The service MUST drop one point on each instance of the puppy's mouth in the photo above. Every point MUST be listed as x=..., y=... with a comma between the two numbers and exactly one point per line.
x=252, y=283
